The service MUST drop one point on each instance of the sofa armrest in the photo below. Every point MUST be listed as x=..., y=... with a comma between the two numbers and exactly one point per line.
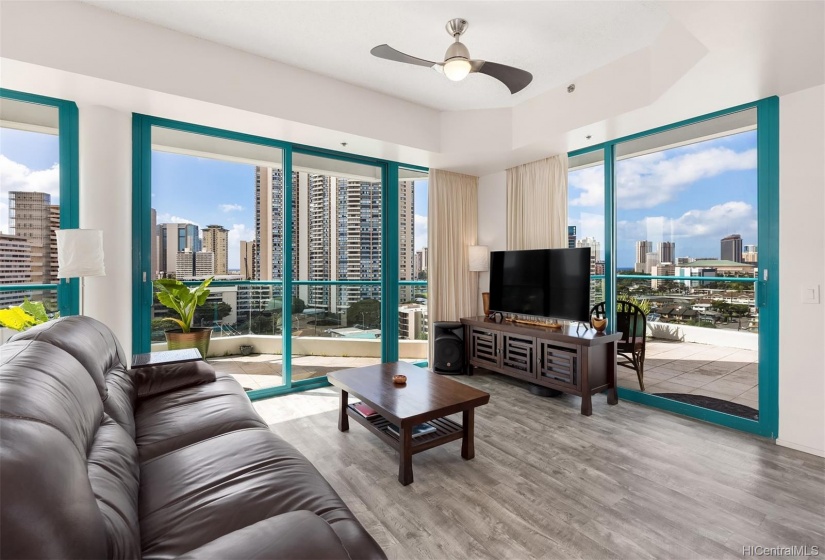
x=297, y=535
x=154, y=380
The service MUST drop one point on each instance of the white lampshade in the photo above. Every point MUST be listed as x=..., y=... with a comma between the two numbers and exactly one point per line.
x=80, y=253
x=479, y=258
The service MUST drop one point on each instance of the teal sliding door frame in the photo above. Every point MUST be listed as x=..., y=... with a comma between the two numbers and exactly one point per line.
x=68, y=292
x=141, y=207
x=766, y=290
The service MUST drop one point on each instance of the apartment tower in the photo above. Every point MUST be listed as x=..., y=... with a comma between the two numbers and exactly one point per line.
x=216, y=241
x=642, y=249
x=731, y=249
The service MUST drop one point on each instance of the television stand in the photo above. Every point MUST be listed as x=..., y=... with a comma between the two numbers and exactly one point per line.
x=555, y=325
x=579, y=361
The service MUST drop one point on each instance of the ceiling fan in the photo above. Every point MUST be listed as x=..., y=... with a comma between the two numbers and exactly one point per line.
x=457, y=62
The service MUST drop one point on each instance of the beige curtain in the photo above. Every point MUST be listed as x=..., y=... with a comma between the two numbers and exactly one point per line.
x=452, y=227
x=537, y=204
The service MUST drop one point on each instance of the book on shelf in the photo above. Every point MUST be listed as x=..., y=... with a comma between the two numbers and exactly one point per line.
x=364, y=410
x=418, y=430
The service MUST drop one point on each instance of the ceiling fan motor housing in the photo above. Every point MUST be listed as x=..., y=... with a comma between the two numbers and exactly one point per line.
x=457, y=50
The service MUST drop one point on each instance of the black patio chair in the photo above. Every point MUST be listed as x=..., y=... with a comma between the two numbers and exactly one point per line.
x=632, y=345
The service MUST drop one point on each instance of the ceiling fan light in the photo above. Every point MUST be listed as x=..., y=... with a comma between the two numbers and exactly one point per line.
x=457, y=69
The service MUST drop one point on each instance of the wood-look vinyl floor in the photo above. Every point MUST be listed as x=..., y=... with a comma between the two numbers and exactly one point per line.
x=546, y=482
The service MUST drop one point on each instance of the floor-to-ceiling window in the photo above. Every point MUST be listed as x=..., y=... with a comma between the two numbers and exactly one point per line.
x=585, y=223
x=313, y=253
x=689, y=236
x=38, y=196
x=413, y=311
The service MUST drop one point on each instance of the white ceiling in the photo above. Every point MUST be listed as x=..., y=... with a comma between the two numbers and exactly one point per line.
x=555, y=41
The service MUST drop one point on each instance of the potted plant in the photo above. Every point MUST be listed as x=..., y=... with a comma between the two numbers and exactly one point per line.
x=178, y=297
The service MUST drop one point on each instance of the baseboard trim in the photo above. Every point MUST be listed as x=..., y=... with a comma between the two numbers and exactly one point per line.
x=803, y=448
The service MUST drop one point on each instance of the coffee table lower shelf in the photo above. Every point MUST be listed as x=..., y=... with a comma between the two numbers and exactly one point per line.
x=445, y=431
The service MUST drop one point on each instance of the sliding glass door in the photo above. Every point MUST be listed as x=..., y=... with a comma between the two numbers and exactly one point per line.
x=313, y=253
x=690, y=244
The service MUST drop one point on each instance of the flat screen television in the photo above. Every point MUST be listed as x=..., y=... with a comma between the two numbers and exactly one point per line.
x=542, y=282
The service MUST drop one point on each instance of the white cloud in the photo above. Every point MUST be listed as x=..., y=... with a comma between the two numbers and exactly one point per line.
x=167, y=218
x=711, y=224
x=238, y=233
x=420, y=232
x=230, y=207
x=17, y=177
x=652, y=179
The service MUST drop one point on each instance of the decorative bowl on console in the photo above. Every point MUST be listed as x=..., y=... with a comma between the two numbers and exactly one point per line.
x=598, y=323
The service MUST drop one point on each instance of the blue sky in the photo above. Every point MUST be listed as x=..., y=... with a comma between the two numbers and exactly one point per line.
x=28, y=162
x=205, y=191
x=693, y=195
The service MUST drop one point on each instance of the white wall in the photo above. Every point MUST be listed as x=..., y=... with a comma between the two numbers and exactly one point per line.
x=106, y=204
x=801, y=265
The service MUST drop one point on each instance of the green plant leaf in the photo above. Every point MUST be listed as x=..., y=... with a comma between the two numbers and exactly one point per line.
x=36, y=309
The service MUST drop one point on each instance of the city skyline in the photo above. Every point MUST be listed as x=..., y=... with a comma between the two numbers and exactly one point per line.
x=226, y=196
x=693, y=195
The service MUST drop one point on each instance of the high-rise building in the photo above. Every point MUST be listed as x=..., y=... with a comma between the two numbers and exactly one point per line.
x=642, y=249
x=247, y=260
x=15, y=267
x=174, y=239
x=731, y=249
x=191, y=265
x=268, y=262
x=406, y=237
x=750, y=254
x=651, y=260
x=667, y=250
x=596, y=292
x=30, y=217
x=595, y=247
x=153, y=251
x=216, y=241
x=662, y=269
x=54, y=225
x=571, y=237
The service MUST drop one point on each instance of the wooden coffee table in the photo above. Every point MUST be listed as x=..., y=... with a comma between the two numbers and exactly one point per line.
x=426, y=397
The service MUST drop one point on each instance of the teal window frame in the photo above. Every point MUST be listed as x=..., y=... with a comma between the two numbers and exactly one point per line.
x=68, y=293
x=141, y=208
x=766, y=293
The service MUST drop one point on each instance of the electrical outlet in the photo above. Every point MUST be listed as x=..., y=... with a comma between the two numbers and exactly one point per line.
x=810, y=294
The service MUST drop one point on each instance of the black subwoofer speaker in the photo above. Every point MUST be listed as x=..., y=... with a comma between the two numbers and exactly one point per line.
x=448, y=348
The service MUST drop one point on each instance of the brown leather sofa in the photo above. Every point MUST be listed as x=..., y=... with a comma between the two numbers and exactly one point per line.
x=99, y=461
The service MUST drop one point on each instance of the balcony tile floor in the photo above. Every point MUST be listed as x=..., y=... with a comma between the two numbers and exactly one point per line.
x=730, y=374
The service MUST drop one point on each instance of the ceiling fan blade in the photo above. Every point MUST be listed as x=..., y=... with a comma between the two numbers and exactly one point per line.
x=389, y=53
x=515, y=79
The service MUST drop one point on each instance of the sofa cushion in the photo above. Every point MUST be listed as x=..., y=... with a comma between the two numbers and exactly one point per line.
x=42, y=383
x=88, y=340
x=154, y=380
x=298, y=535
x=196, y=494
x=113, y=475
x=121, y=398
x=179, y=418
x=50, y=411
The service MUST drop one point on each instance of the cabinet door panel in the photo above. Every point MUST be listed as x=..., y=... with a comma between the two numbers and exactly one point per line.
x=484, y=347
x=519, y=355
x=558, y=362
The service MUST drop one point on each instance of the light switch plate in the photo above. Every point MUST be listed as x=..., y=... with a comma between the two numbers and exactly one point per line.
x=810, y=294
